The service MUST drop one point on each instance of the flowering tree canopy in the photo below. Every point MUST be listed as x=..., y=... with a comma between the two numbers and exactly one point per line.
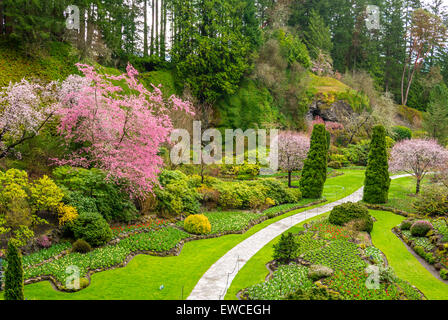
x=292, y=151
x=418, y=157
x=25, y=107
x=120, y=124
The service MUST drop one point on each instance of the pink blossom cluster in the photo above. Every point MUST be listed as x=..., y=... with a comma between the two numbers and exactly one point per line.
x=418, y=156
x=331, y=126
x=121, y=124
x=292, y=150
x=24, y=106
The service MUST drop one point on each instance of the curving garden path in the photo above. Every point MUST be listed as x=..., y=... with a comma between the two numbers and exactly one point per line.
x=215, y=282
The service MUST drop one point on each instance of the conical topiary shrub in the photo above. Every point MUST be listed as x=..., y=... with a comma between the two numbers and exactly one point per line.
x=314, y=173
x=377, y=180
x=14, y=274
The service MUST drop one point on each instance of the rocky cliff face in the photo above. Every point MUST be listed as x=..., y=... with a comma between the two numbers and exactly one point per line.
x=335, y=112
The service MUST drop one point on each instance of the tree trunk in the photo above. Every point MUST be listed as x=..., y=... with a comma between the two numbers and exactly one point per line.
x=418, y=186
x=82, y=30
x=163, y=32
x=157, y=28
x=145, y=28
x=290, y=179
x=90, y=27
x=152, y=27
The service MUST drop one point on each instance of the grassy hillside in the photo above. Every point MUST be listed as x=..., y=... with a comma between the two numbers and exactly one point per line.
x=54, y=62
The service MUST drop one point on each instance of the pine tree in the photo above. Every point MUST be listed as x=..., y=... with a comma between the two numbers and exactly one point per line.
x=436, y=117
x=318, y=36
x=314, y=173
x=34, y=22
x=377, y=180
x=251, y=24
x=14, y=274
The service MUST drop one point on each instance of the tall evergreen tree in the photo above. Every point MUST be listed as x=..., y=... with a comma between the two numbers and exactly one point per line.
x=251, y=24
x=209, y=48
x=377, y=180
x=318, y=35
x=14, y=274
x=314, y=173
x=34, y=22
x=393, y=45
x=436, y=117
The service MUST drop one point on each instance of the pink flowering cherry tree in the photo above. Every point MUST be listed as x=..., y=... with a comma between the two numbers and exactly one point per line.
x=418, y=157
x=25, y=108
x=292, y=151
x=120, y=124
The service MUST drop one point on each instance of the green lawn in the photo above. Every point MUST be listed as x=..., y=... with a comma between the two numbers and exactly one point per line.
x=402, y=193
x=406, y=266
x=143, y=276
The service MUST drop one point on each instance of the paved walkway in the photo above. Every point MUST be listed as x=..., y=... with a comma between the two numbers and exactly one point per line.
x=216, y=281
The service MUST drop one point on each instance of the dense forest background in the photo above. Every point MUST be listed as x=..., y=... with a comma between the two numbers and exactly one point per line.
x=247, y=63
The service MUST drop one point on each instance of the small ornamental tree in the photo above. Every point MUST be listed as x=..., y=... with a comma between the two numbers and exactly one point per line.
x=14, y=274
x=418, y=157
x=25, y=108
x=314, y=173
x=292, y=150
x=120, y=125
x=377, y=180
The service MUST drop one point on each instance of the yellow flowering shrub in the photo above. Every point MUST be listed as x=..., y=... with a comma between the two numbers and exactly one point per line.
x=16, y=176
x=46, y=195
x=197, y=224
x=269, y=202
x=66, y=214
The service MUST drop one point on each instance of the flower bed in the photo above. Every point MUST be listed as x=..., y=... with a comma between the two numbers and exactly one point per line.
x=286, y=280
x=109, y=256
x=142, y=227
x=433, y=247
x=323, y=244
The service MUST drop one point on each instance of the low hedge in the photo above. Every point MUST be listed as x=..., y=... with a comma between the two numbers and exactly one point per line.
x=347, y=212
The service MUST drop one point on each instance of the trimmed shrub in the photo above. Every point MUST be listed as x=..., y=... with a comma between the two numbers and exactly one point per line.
x=347, y=212
x=335, y=165
x=295, y=193
x=91, y=227
x=362, y=225
x=286, y=249
x=178, y=195
x=421, y=228
x=358, y=154
x=279, y=192
x=377, y=180
x=90, y=186
x=314, y=173
x=197, y=224
x=406, y=225
x=428, y=256
x=14, y=274
x=433, y=201
x=81, y=246
x=401, y=133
